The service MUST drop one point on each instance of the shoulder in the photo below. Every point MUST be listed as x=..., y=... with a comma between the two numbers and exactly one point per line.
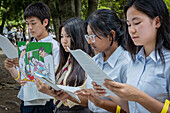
x=55, y=43
x=125, y=56
x=166, y=53
x=50, y=39
x=167, y=57
x=167, y=62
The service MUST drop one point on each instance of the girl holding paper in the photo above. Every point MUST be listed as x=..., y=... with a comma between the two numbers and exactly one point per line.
x=148, y=40
x=105, y=35
x=69, y=72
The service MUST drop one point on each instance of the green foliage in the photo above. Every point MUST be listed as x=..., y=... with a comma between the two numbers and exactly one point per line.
x=11, y=12
x=84, y=9
x=115, y=5
x=168, y=5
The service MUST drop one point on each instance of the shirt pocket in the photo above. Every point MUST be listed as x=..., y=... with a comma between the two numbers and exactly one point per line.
x=155, y=86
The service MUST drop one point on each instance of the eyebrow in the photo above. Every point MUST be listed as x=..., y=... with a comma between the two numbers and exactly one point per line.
x=133, y=19
x=31, y=21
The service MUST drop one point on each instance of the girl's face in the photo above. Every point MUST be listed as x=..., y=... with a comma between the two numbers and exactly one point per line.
x=100, y=45
x=65, y=39
x=142, y=28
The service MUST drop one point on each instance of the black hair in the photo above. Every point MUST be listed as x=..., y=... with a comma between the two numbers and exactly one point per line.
x=152, y=8
x=103, y=21
x=39, y=10
x=75, y=28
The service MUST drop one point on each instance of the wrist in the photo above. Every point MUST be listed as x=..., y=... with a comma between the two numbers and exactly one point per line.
x=141, y=96
x=166, y=106
x=17, y=76
x=11, y=69
x=100, y=103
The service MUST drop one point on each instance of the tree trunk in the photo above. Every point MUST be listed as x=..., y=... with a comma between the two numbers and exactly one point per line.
x=3, y=22
x=78, y=8
x=92, y=6
x=54, y=9
x=61, y=10
x=56, y=24
x=67, y=9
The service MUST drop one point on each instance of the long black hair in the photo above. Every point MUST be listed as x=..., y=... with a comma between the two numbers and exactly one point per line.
x=151, y=8
x=103, y=21
x=75, y=28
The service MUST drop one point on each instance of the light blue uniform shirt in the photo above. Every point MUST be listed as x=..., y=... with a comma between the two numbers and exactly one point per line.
x=55, y=46
x=150, y=76
x=115, y=67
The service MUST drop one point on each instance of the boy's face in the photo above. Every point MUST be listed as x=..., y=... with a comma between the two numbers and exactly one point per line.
x=35, y=27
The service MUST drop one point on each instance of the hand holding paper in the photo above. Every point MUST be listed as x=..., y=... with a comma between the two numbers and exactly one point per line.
x=91, y=68
x=70, y=90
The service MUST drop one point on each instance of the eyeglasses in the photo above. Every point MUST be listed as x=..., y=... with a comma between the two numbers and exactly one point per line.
x=92, y=37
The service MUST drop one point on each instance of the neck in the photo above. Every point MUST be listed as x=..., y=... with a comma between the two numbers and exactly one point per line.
x=109, y=52
x=149, y=49
x=43, y=35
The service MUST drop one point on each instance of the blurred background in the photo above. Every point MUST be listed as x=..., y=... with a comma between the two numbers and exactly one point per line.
x=11, y=13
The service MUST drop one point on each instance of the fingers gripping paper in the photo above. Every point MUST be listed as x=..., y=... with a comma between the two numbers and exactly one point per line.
x=91, y=68
x=70, y=90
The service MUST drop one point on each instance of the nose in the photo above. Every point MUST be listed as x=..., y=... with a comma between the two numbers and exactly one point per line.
x=29, y=27
x=64, y=39
x=132, y=30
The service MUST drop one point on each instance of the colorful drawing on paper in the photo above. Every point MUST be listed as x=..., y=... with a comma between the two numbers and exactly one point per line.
x=34, y=57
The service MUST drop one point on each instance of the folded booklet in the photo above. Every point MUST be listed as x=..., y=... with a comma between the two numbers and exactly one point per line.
x=70, y=90
x=91, y=68
x=8, y=48
x=35, y=57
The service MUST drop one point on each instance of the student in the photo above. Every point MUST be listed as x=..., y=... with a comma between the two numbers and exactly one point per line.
x=148, y=40
x=69, y=72
x=105, y=34
x=37, y=16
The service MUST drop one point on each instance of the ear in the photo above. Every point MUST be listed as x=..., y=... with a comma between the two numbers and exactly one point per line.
x=45, y=22
x=113, y=33
x=157, y=22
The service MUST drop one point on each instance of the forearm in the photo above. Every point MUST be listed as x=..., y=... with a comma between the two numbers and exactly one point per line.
x=84, y=100
x=149, y=103
x=15, y=74
x=122, y=103
x=107, y=105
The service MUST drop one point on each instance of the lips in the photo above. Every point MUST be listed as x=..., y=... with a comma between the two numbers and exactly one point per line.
x=134, y=38
x=31, y=32
x=64, y=46
x=93, y=47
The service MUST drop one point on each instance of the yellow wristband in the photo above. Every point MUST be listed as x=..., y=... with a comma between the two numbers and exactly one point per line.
x=18, y=76
x=118, y=109
x=166, y=106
